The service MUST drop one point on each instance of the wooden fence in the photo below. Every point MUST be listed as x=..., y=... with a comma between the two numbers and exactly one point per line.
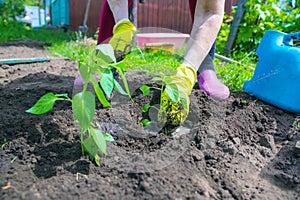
x=171, y=14
x=77, y=12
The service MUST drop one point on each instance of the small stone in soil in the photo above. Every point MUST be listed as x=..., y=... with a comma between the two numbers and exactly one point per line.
x=267, y=140
x=297, y=148
x=4, y=66
x=180, y=131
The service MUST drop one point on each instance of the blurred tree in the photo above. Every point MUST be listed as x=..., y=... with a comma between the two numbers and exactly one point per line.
x=10, y=8
x=261, y=16
x=32, y=2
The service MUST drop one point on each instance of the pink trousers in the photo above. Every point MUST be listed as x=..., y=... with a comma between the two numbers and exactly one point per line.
x=107, y=21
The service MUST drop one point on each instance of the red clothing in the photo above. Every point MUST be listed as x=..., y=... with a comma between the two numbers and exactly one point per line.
x=107, y=21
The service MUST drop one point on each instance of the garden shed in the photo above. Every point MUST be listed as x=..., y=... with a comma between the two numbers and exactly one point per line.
x=60, y=12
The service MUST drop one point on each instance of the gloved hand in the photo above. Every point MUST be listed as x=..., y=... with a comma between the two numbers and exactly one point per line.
x=175, y=113
x=123, y=33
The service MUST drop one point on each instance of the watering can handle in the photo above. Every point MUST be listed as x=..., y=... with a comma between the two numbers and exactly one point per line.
x=289, y=37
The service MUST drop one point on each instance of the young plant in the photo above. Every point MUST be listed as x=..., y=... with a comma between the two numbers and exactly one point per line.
x=162, y=65
x=5, y=143
x=166, y=118
x=100, y=61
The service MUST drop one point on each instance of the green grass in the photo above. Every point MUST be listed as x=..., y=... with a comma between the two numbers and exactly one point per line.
x=72, y=50
x=234, y=75
x=62, y=43
x=152, y=62
x=13, y=30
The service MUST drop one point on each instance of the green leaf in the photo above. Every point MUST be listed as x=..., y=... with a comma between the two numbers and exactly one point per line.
x=97, y=160
x=167, y=79
x=146, y=107
x=14, y=159
x=270, y=25
x=106, y=52
x=108, y=137
x=44, y=104
x=146, y=122
x=91, y=148
x=85, y=73
x=100, y=94
x=62, y=95
x=172, y=91
x=107, y=81
x=120, y=68
x=99, y=140
x=184, y=101
x=83, y=107
x=156, y=79
x=262, y=14
x=4, y=144
x=119, y=88
x=145, y=89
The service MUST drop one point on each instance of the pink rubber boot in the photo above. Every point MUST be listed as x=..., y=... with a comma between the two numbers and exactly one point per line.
x=209, y=82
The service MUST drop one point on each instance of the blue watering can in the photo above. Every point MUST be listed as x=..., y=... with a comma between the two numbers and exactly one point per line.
x=276, y=79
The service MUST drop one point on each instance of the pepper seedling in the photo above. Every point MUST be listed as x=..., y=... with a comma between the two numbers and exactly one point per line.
x=99, y=61
x=166, y=117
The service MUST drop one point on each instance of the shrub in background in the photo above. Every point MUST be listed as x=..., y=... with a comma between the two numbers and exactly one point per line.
x=10, y=8
x=261, y=16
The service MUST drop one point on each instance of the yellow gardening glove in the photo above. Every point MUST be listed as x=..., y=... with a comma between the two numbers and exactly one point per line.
x=123, y=33
x=176, y=113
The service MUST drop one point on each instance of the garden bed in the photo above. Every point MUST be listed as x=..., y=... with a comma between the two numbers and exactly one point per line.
x=240, y=148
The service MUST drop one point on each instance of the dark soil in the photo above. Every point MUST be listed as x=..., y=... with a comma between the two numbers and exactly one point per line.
x=240, y=148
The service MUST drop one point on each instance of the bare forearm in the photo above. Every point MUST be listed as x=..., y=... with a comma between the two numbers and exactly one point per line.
x=207, y=23
x=119, y=9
